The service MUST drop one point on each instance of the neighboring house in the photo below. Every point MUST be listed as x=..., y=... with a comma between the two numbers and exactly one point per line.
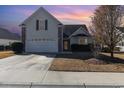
x=121, y=43
x=7, y=38
x=121, y=28
x=42, y=32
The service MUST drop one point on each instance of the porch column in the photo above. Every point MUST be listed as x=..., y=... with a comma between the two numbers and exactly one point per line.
x=60, y=37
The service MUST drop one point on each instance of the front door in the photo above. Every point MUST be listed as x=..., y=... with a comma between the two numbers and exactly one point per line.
x=66, y=45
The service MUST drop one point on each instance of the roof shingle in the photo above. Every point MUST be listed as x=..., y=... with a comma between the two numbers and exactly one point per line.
x=69, y=29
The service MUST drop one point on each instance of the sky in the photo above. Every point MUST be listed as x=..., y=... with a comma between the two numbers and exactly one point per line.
x=12, y=15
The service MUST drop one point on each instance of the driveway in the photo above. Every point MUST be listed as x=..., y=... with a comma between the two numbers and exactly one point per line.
x=32, y=71
x=24, y=68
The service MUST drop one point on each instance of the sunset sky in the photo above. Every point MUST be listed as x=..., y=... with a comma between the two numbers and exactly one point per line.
x=12, y=16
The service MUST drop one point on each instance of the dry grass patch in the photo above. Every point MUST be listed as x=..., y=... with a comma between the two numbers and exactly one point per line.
x=5, y=54
x=81, y=65
x=117, y=55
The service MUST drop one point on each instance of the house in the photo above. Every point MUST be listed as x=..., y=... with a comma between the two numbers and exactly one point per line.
x=75, y=35
x=42, y=32
x=121, y=43
x=7, y=38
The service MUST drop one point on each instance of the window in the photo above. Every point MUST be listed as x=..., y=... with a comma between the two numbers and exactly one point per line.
x=86, y=41
x=37, y=25
x=46, y=24
x=81, y=40
x=41, y=25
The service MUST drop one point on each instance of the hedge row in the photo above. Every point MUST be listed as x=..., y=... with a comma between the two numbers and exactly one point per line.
x=17, y=47
x=79, y=48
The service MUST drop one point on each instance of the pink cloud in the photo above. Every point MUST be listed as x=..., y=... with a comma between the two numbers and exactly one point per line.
x=68, y=7
x=75, y=16
x=69, y=14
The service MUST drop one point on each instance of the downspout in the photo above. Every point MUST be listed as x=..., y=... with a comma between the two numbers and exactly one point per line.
x=62, y=37
x=23, y=36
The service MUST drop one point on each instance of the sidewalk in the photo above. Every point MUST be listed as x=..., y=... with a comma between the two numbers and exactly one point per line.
x=54, y=79
x=84, y=78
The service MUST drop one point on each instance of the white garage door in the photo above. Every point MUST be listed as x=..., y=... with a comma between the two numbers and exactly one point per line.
x=49, y=46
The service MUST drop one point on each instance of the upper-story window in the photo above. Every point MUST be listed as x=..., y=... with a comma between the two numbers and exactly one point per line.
x=37, y=25
x=46, y=24
x=41, y=25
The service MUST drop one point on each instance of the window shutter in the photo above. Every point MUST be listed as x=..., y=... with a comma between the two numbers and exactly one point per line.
x=46, y=24
x=37, y=25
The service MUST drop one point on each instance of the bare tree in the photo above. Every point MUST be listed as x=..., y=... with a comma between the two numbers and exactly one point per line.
x=106, y=20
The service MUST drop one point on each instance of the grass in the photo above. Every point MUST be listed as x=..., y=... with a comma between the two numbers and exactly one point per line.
x=101, y=64
x=4, y=54
x=117, y=55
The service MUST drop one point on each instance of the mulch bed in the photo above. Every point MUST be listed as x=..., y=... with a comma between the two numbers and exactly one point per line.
x=85, y=65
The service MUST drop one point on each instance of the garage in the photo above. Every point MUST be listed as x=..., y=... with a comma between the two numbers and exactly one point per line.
x=42, y=46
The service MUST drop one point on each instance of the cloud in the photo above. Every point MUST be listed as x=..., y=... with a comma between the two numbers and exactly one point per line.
x=67, y=14
x=78, y=16
x=72, y=13
x=63, y=12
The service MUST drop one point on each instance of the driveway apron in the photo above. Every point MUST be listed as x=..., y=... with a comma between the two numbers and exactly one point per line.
x=24, y=68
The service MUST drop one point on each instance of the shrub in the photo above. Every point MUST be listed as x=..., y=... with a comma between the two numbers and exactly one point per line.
x=1, y=48
x=105, y=49
x=17, y=47
x=79, y=48
x=8, y=47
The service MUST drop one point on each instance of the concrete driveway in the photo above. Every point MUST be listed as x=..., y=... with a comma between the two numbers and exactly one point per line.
x=32, y=71
x=24, y=68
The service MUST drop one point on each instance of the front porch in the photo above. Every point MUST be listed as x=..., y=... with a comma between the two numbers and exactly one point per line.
x=77, y=43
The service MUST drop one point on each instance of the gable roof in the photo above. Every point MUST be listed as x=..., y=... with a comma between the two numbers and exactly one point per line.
x=38, y=10
x=70, y=29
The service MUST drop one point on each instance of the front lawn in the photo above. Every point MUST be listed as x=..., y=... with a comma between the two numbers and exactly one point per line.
x=4, y=54
x=101, y=64
x=117, y=55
